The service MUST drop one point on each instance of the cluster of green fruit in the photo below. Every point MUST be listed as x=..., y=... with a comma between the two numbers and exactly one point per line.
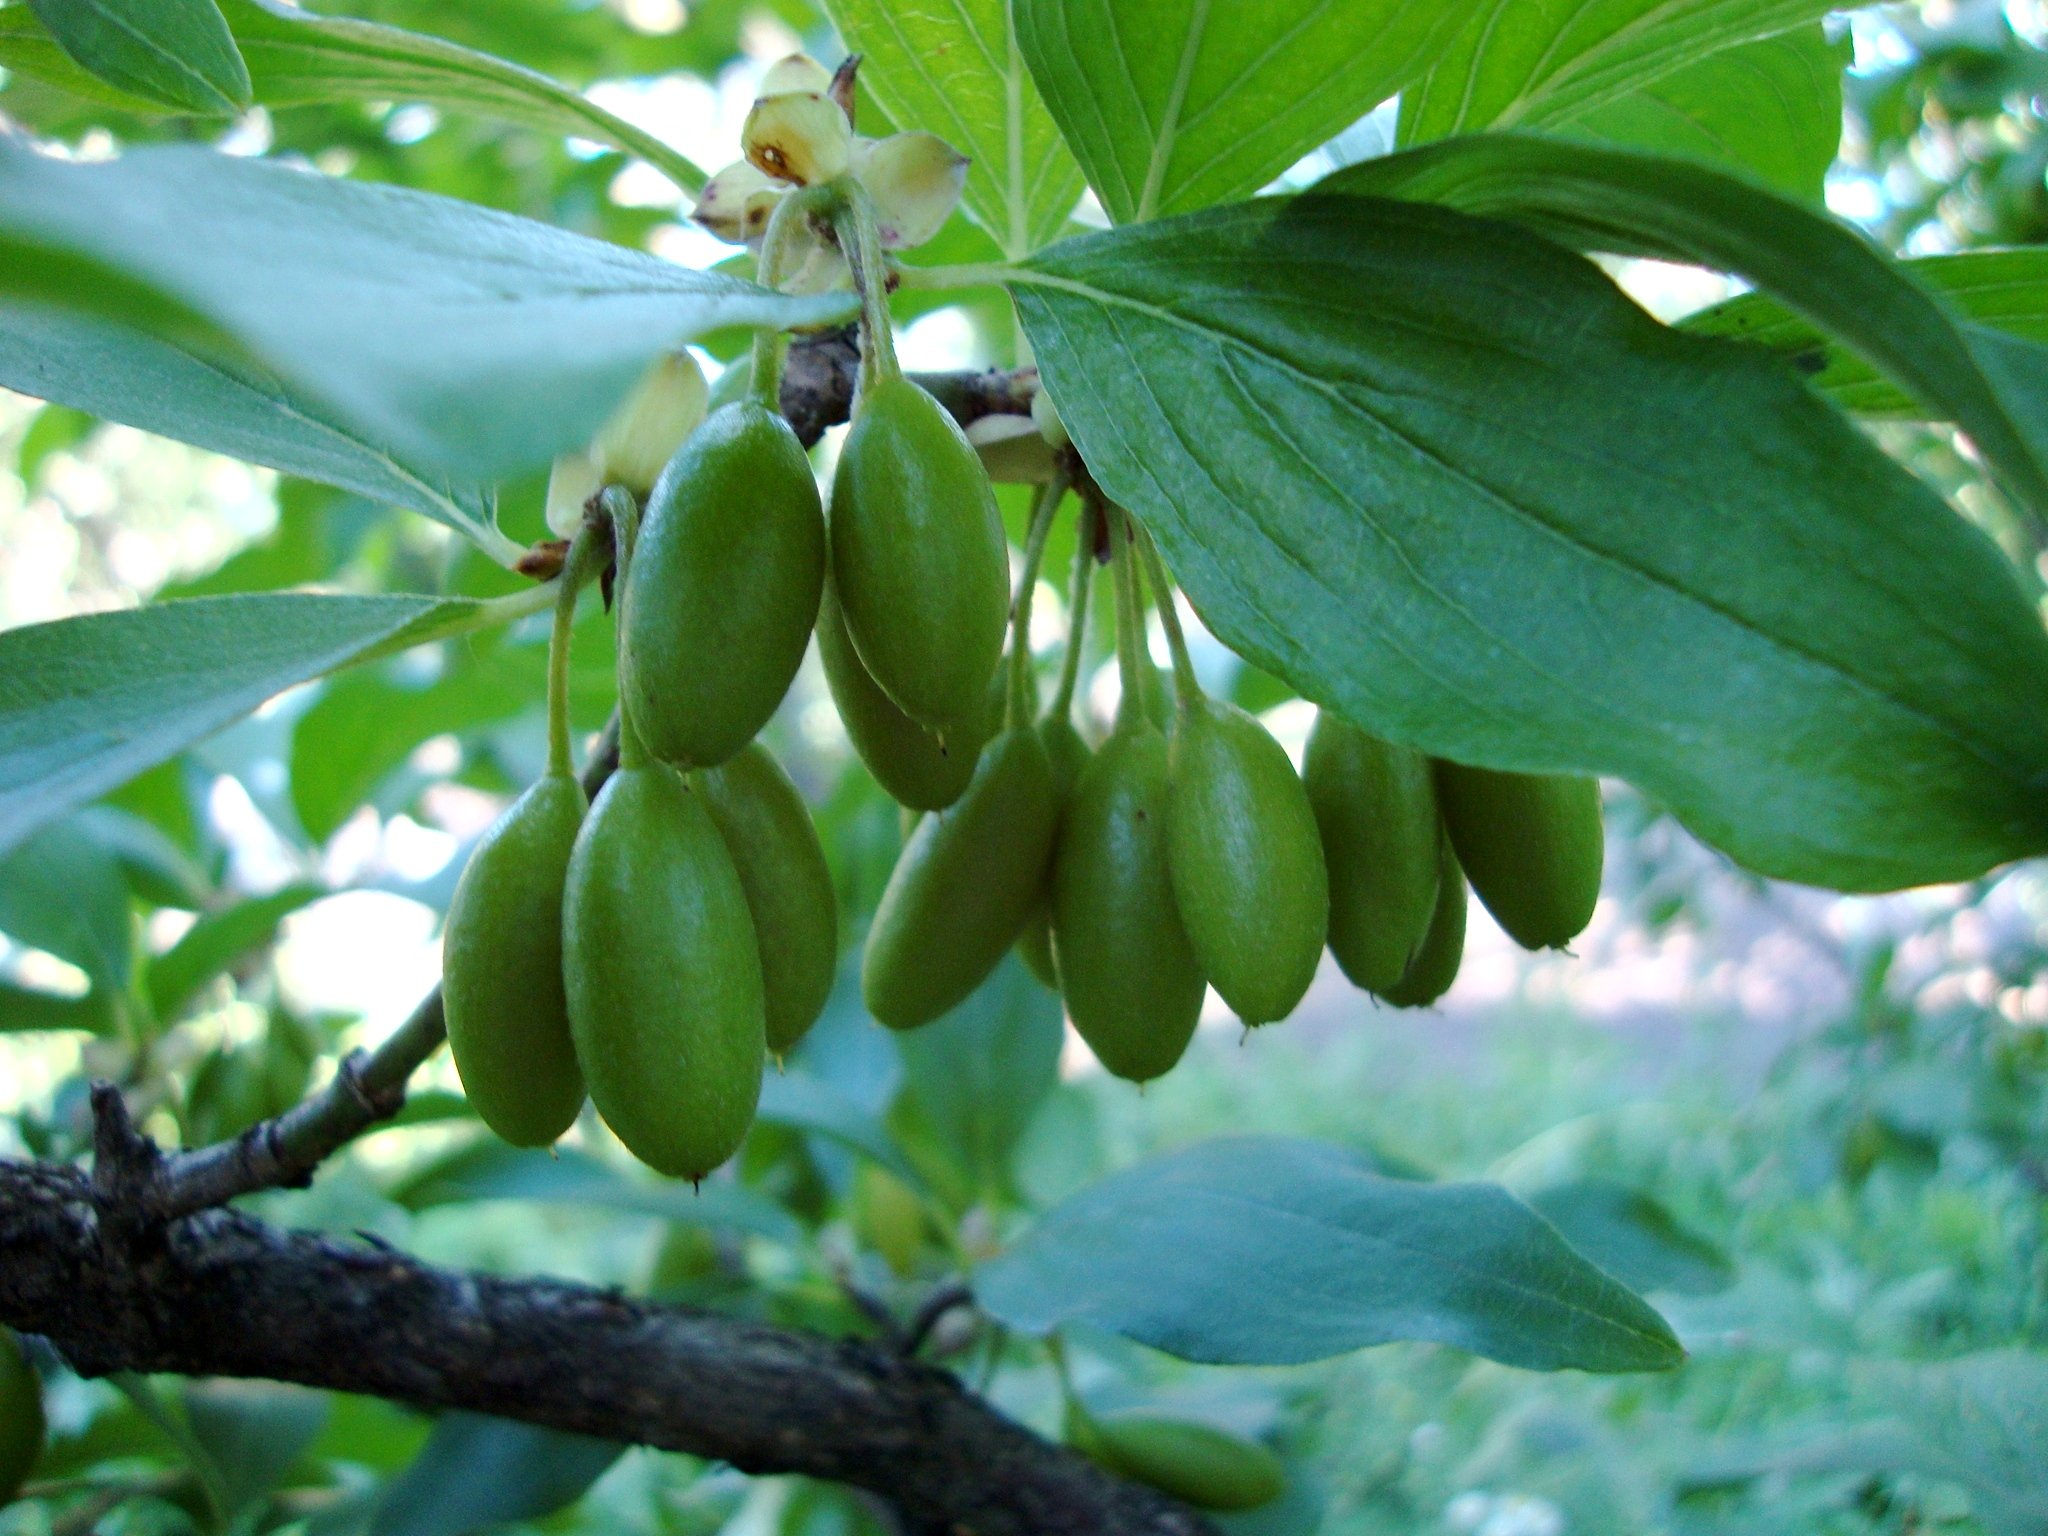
x=21, y=1417
x=655, y=948
x=1184, y=852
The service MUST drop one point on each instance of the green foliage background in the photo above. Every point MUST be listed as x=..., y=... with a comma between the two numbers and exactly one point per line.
x=1813, y=1134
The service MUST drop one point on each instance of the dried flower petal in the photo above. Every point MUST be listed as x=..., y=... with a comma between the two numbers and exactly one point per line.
x=915, y=180
x=800, y=137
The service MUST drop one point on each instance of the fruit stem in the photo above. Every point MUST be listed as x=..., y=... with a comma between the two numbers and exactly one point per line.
x=619, y=504
x=1186, y=686
x=1131, y=660
x=860, y=238
x=577, y=568
x=1023, y=704
x=1077, y=614
x=771, y=345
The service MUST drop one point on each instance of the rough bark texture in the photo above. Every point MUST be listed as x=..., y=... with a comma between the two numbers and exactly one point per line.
x=219, y=1294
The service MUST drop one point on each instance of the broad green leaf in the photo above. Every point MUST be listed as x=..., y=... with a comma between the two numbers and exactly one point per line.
x=476, y=1473
x=61, y=891
x=296, y=57
x=450, y=335
x=1650, y=205
x=488, y=1169
x=88, y=703
x=1999, y=290
x=1772, y=109
x=1631, y=1236
x=1442, y=476
x=217, y=942
x=180, y=391
x=953, y=68
x=26, y=48
x=979, y=1073
x=1269, y=1251
x=1525, y=63
x=178, y=52
x=1176, y=104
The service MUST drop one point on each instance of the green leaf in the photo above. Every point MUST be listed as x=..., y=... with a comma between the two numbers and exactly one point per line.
x=254, y=1432
x=1525, y=63
x=1771, y=108
x=804, y=1102
x=55, y=429
x=61, y=891
x=296, y=58
x=488, y=1169
x=1649, y=205
x=27, y=48
x=178, y=52
x=180, y=392
x=1443, y=477
x=954, y=69
x=476, y=1472
x=365, y=725
x=25, y=1010
x=979, y=1073
x=216, y=943
x=1176, y=104
x=453, y=337
x=1632, y=1237
x=1998, y=290
x=88, y=703
x=1268, y=1251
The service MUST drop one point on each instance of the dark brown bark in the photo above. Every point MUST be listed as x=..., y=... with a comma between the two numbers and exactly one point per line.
x=220, y=1294
x=818, y=381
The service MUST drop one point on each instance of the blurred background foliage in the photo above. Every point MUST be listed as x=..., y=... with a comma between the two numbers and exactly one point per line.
x=1812, y=1128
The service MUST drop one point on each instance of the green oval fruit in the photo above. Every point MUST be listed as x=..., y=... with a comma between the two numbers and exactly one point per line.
x=1435, y=967
x=1530, y=843
x=1246, y=859
x=723, y=588
x=1197, y=1463
x=663, y=975
x=501, y=969
x=1068, y=754
x=962, y=887
x=774, y=846
x=1133, y=985
x=21, y=1417
x=918, y=767
x=918, y=554
x=1375, y=805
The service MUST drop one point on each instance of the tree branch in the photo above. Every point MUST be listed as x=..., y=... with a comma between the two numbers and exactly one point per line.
x=818, y=380
x=220, y=1294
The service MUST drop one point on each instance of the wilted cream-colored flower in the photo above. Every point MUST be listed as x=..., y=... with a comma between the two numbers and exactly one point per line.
x=915, y=180
x=799, y=73
x=800, y=137
x=635, y=445
x=737, y=203
x=571, y=482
